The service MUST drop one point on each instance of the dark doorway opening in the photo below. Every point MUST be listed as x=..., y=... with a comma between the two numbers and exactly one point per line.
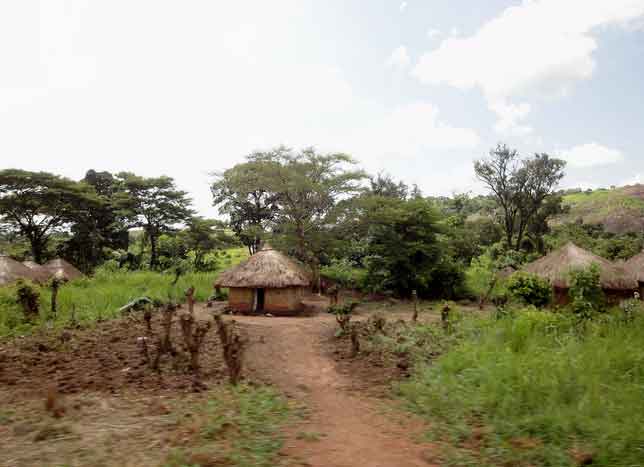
x=261, y=293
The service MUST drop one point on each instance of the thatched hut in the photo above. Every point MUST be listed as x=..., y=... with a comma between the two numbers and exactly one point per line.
x=12, y=270
x=635, y=266
x=268, y=282
x=61, y=269
x=556, y=268
x=40, y=273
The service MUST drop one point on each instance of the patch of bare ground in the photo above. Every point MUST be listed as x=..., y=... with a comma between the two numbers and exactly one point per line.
x=83, y=397
x=346, y=423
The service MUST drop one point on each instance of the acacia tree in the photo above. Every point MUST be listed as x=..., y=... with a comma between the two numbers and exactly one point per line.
x=309, y=186
x=37, y=204
x=519, y=186
x=244, y=194
x=153, y=204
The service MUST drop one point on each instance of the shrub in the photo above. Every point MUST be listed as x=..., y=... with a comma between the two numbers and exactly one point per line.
x=530, y=289
x=586, y=292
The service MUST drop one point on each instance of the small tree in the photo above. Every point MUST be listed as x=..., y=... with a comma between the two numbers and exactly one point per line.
x=586, y=292
x=530, y=289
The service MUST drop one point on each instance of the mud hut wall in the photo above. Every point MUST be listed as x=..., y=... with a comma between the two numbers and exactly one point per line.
x=283, y=300
x=241, y=299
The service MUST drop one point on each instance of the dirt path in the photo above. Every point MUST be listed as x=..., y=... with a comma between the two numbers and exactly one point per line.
x=342, y=430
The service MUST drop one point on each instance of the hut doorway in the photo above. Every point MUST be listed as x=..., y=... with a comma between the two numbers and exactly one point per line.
x=260, y=298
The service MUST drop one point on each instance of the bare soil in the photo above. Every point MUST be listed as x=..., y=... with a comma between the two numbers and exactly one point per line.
x=117, y=412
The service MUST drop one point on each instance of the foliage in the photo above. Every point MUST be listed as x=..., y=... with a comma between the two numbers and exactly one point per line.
x=38, y=204
x=155, y=205
x=482, y=279
x=519, y=187
x=586, y=292
x=530, y=289
x=344, y=274
x=532, y=390
x=404, y=251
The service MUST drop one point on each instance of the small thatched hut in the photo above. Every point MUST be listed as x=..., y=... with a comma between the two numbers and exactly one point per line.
x=12, y=270
x=40, y=273
x=268, y=282
x=556, y=268
x=61, y=269
x=635, y=266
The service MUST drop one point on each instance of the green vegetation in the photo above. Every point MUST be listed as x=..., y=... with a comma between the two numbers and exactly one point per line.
x=597, y=206
x=535, y=388
x=89, y=299
x=239, y=427
x=530, y=289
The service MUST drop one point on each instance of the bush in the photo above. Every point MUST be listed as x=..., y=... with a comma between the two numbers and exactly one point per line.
x=586, y=292
x=530, y=289
x=345, y=274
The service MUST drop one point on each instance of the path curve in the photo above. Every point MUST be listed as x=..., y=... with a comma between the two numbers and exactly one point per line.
x=343, y=430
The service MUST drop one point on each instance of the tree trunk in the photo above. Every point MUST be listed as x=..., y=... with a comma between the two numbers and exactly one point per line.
x=153, y=251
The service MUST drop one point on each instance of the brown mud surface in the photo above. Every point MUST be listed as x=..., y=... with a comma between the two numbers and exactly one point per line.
x=346, y=426
x=118, y=412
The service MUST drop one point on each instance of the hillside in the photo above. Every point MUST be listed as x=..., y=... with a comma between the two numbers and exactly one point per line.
x=620, y=210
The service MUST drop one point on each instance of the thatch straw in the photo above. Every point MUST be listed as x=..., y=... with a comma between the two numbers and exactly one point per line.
x=42, y=275
x=557, y=266
x=12, y=270
x=635, y=266
x=267, y=268
x=61, y=269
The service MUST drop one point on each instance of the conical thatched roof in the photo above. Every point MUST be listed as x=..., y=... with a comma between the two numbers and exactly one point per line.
x=267, y=268
x=62, y=269
x=12, y=270
x=39, y=271
x=556, y=268
x=635, y=266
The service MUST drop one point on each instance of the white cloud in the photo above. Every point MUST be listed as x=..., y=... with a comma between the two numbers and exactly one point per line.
x=591, y=155
x=540, y=47
x=399, y=59
x=410, y=132
x=433, y=32
x=403, y=6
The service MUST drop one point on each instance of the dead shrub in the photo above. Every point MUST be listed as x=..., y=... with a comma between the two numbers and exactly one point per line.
x=194, y=333
x=233, y=348
x=29, y=299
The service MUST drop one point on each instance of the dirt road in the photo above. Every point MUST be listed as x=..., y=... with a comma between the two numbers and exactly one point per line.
x=343, y=429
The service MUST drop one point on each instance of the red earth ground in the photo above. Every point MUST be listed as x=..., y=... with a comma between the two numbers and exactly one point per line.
x=116, y=408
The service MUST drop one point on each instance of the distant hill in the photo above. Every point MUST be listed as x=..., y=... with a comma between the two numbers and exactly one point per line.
x=619, y=210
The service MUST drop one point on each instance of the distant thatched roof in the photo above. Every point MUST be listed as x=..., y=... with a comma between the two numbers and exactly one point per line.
x=635, y=266
x=40, y=272
x=62, y=269
x=12, y=270
x=556, y=268
x=267, y=268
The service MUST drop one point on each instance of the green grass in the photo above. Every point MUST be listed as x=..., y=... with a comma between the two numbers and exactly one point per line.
x=534, y=390
x=595, y=206
x=240, y=427
x=100, y=297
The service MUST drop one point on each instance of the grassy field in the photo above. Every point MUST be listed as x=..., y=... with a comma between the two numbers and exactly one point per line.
x=536, y=389
x=89, y=299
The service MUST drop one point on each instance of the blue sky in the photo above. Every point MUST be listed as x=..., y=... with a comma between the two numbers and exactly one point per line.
x=416, y=88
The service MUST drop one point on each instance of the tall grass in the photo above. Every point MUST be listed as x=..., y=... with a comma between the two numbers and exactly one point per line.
x=534, y=390
x=88, y=299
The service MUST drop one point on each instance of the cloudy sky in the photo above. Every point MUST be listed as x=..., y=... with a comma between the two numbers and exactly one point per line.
x=416, y=88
